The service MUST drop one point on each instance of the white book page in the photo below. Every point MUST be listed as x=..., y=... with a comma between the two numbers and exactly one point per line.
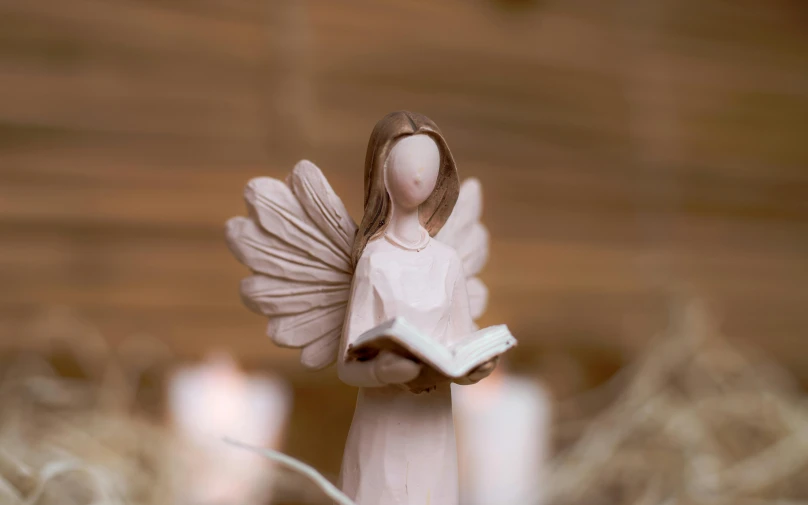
x=481, y=346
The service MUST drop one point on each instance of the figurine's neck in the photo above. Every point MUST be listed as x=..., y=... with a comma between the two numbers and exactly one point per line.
x=405, y=225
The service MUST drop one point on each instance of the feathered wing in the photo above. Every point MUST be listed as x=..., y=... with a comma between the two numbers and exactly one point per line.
x=464, y=231
x=297, y=242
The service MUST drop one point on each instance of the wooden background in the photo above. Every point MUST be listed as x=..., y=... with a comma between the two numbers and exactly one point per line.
x=630, y=151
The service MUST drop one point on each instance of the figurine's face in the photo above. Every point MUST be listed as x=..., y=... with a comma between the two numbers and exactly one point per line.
x=412, y=170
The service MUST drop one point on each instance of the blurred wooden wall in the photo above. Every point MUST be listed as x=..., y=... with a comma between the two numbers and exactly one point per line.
x=629, y=151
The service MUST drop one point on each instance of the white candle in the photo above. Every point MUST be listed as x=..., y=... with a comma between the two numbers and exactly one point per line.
x=503, y=440
x=215, y=400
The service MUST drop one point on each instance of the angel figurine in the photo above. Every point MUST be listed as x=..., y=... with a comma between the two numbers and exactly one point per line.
x=402, y=284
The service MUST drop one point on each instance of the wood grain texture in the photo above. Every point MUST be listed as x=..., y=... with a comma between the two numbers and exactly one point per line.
x=627, y=151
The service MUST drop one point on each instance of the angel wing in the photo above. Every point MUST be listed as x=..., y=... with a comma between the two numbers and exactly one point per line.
x=466, y=234
x=297, y=242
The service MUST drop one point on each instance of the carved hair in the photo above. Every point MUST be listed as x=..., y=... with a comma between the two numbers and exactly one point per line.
x=434, y=212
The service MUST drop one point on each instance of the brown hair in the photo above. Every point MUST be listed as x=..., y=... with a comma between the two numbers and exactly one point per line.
x=435, y=210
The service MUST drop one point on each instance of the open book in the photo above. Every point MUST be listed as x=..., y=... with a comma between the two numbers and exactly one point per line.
x=455, y=360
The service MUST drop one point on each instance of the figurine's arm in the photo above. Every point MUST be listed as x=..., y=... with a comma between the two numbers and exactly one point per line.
x=363, y=314
x=463, y=324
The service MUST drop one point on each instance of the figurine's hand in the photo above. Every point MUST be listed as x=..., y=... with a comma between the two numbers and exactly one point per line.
x=479, y=373
x=390, y=368
x=427, y=380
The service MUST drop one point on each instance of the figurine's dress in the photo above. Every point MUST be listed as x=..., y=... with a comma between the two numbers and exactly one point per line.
x=401, y=446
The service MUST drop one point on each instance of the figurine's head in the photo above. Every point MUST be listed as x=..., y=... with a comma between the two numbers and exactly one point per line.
x=408, y=161
x=411, y=171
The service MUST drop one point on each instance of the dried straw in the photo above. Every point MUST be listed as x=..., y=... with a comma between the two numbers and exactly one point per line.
x=699, y=421
x=696, y=420
x=78, y=440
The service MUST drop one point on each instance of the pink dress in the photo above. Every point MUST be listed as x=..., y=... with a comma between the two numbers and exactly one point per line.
x=401, y=447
